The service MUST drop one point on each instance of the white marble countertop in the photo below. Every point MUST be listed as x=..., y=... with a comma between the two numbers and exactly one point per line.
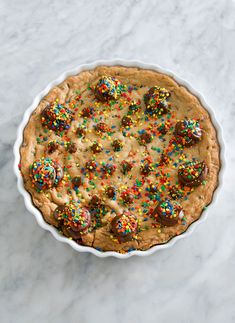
x=43, y=280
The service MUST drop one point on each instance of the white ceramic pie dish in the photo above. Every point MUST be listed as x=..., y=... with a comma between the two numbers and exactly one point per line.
x=27, y=198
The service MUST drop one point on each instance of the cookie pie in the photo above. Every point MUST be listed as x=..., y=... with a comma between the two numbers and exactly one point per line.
x=120, y=158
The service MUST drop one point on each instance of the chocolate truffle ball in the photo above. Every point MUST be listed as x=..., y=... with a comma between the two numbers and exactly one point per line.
x=124, y=227
x=59, y=211
x=108, y=88
x=164, y=159
x=168, y=213
x=188, y=131
x=45, y=173
x=192, y=173
x=156, y=101
x=56, y=117
x=74, y=218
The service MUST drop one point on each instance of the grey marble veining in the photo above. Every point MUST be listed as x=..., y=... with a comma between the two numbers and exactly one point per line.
x=45, y=281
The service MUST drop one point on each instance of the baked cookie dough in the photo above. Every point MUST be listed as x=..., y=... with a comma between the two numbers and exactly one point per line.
x=120, y=158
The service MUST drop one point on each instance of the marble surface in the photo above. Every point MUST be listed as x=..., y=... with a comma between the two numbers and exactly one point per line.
x=43, y=280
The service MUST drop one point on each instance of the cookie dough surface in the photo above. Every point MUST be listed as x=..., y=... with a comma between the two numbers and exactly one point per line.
x=77, y=93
